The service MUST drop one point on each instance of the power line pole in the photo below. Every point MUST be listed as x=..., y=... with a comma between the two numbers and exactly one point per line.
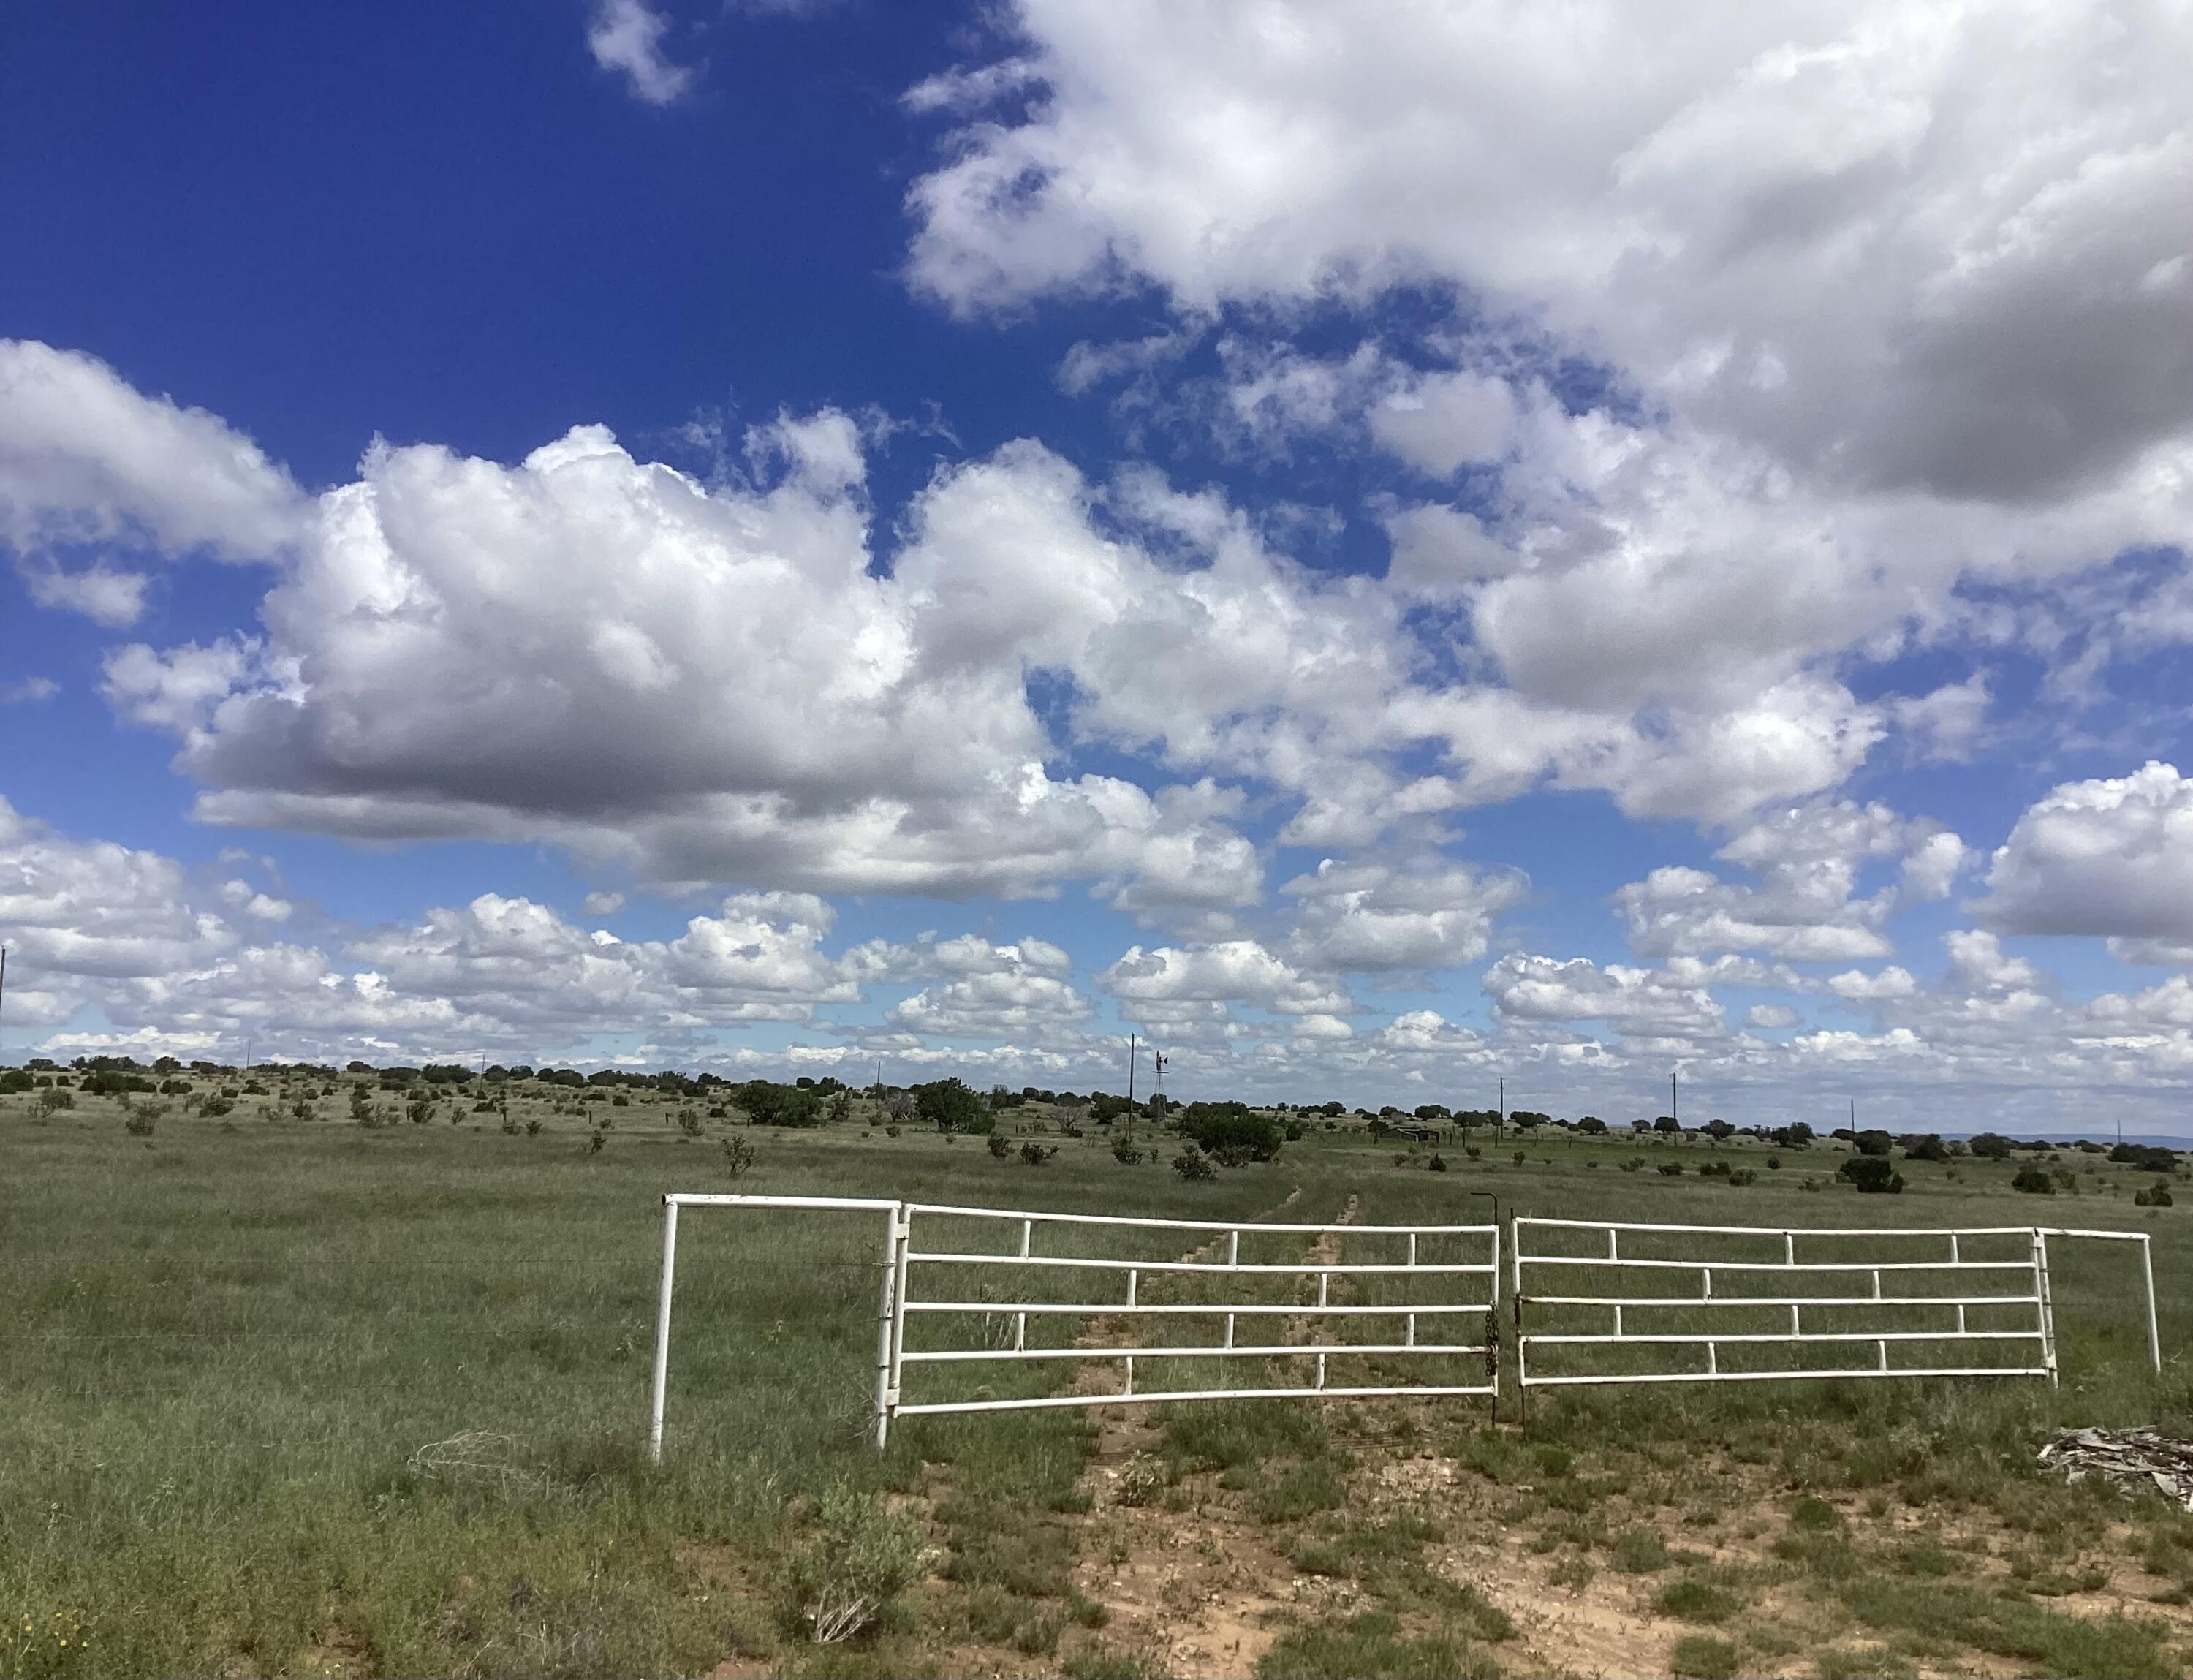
x=1130, y=1070
x=1500, y=1125
x=1675, y=1107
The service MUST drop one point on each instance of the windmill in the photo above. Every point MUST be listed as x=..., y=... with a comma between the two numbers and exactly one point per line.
x=1158, y=1061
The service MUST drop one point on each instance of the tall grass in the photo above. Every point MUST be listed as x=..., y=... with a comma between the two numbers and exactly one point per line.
x=222, y=1347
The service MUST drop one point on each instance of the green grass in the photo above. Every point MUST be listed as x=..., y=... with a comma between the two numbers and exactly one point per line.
x=221, y=1346
x=1699, y=1656
x=1373, y=1643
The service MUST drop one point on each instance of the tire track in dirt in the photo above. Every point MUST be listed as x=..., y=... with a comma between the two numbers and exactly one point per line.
x=1196, y=1592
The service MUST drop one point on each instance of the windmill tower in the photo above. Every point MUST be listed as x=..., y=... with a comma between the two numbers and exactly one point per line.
x=1158, y=1061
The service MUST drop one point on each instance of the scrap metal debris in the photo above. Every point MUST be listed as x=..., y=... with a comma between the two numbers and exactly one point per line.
x=2129, y=1459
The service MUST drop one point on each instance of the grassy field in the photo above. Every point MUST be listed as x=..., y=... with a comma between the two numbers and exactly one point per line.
x=295, y=1396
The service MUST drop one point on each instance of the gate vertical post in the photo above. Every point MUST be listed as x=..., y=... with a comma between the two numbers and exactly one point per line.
x=1412, y=1336
x=904, y=1222
x=2147, y=1271
x=2046, y=1303
x=662, y=1382
x=887, y=1319
x=1020, y=1318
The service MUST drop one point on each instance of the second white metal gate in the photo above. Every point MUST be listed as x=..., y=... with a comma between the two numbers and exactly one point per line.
x=1611, y=1301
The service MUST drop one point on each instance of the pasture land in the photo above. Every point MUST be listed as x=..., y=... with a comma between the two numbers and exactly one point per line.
x=287, y=1395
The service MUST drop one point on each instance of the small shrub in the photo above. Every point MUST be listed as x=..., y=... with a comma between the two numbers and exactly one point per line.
x=689, y=1122
x=1473, y=1151
x=141, y=1122
x=51, y=1101
x=1033, y=1154
x=594, y=1143
x=1633, y=1165
x=2156, y=1195
x=1638, y=1552
x=1671, y=1169
x=532, y=1129
x=1142, y=1480
x=1871, y=1175
x=1691, y=1599
x=1743, y=1179
x=1126, y=1153
x=1815, y=1515
x=2033, y=1179
x=738, y=1156
x=1437, y=1163
x=1521, y=1157
x=998, y=1147
x=1192, y=1165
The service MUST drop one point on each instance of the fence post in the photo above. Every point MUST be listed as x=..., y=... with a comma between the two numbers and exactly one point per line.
x=1411, y=1338
x=904, y=1221
x=1233, y=1259
x=662, y=1330
x=2147, y=1271
x=1020, y=1318
x=2046, y=1303
x=887, y=1320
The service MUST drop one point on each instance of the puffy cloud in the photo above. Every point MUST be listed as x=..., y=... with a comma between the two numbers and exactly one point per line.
x=1369, y=916
x=625, y=37
x=85, y=457
x=1879, y=288
x=1771, y=1017
x=1017, y=993
x=1211, y=976
x=77, y=913
x=113, y=598
x=1907, y=246
x=1805, y=907
x=1858, y=987
x=87, y=460
x=2111, y=856
x=1646, y=1002
x=746, y=700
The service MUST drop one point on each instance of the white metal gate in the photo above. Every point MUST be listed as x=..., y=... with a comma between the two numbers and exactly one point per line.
x=1741, y=1303
x=1073, y=1290
x=1420, y=1301
x=1224, y=1315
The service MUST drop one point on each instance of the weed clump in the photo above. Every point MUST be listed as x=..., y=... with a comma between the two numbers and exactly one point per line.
x=1699, y=1656
x=859, y=1560
x=1373, y=1642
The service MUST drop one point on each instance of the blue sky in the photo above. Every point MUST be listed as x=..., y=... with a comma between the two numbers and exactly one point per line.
x=771, y=536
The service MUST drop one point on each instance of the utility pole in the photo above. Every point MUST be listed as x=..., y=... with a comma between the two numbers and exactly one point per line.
x=3, y=993
x=1500, y=1126
x=1674, y=1108
x=1131, y=1071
